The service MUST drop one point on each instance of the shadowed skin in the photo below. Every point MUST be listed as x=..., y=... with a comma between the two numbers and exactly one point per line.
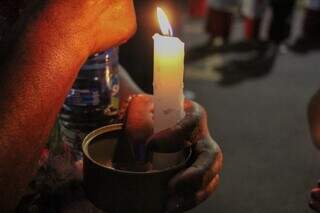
x=51, y=41
x=195, y=184
x=314, y=123
x=39, y=62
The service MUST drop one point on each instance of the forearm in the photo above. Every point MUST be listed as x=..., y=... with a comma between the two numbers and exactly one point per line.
x=34, y=81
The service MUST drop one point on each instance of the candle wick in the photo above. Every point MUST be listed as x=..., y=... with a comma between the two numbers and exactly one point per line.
x=169, y=33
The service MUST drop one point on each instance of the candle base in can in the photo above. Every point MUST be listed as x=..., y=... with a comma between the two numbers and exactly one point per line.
x=115, y=190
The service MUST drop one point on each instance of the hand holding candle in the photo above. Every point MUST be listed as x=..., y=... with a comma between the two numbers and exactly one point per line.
x=177, y=124
x=168, y=87
x=201, y=178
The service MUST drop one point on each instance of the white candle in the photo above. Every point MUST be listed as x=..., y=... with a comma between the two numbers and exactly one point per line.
x=168, y=77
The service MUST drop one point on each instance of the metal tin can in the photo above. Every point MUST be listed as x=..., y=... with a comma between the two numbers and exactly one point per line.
x=121, y=191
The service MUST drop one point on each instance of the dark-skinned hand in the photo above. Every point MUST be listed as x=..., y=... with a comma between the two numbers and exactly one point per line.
x=315, y=198
x=195, y=184
x=314, y=124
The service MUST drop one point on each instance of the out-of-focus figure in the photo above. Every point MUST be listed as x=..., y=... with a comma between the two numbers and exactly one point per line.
x=253, y=11
x=311, y=26
x=310, y=38
x=219, y=20
x=280, y=26
x=197, y=8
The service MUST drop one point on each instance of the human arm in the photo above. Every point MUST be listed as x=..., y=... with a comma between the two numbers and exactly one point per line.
x=314, y=124
x=50, y=43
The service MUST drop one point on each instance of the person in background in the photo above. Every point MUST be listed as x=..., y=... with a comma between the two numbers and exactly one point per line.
x=42, y=50
x=197, y=8
x=310, y=38
x=219, y=21
x=252, y=12
x=280, y=26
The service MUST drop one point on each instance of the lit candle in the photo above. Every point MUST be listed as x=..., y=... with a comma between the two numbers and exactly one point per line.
x=167, y=87
x=168, y=76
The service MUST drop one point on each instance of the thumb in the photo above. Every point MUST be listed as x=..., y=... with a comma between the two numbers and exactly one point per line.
x=207, y=165
x=182, y=135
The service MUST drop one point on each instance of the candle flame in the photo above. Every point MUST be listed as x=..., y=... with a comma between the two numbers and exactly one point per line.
x=164, y=23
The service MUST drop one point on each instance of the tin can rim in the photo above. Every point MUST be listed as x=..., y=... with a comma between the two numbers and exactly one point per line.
x=114, y=127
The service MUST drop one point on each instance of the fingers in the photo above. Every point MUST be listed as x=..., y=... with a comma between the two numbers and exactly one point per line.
x=167, y=141
x=181, y=135
x=207, y=165
x=206, y=192
x=315, y=205
x=138, y=119
x=200, y=196
x=181, y=204
x=314, y=118
x=198, y=182
x=315, y=199
x=315, y=194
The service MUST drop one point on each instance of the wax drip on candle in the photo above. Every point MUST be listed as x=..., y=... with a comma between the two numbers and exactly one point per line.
x=164, y=24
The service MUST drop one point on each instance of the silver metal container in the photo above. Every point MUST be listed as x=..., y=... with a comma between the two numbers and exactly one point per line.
x=121, y=191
